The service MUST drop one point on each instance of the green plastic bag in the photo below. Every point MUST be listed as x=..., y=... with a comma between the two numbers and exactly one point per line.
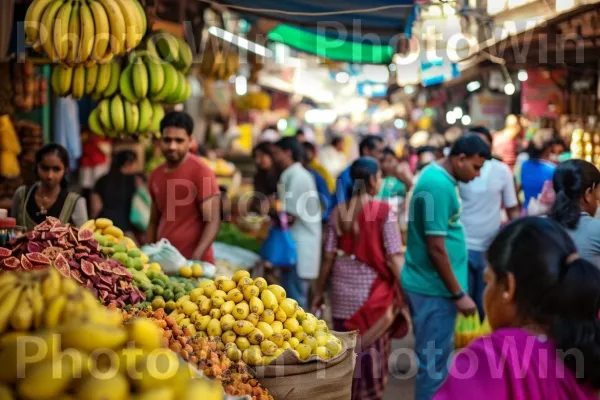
x=469, y=328
x=140, y=209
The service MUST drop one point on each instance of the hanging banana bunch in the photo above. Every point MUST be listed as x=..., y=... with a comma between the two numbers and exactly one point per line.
x=75, y=32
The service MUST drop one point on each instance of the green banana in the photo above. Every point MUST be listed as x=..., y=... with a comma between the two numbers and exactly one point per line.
x=168, y=47
x=171, y=80
x=184, y=62
x=78, y=86
x=104, y=115
x=125, y=85
x=113, y=84
x=132, y=116
x=146, y=112
x=139, y=76
x=158, y=112
x=176, y=94
x=94, y=123
x=117, y=114
x=56, y=80
x=156, y=76
x=66, y=79
x=91, y=78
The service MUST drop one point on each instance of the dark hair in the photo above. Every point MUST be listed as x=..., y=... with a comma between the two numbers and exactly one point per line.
x=369, y=143
x=552, y=290
x=361, y=172
x=121, y=159
x=300, y=132
x=264, y=147
x=308, y=146
x=471, y=145
x=61, y=153
x=177, y=119
x=426, y=149
x=389, y=152
x=482, y=130
x=336, y=140
x=292, y=145
x=541, y=141
x=571, y=180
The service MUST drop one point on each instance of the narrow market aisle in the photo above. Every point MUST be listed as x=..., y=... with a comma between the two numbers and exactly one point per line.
x=401, y=384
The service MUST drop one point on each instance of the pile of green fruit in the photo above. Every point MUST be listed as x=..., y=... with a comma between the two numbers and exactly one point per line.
x=162, y=291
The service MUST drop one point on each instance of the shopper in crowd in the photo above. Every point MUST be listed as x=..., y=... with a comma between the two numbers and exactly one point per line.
x=300, y=201
x=49, y=196
x=542, y=303
x=185, y=194
x=333, y=157
x=265, y=178
x=506, y=141
x=577, y=187
x=113, y=193
x=300, y=136
x=539, y=168
x=371, y=146
x=320, y=183
x=435, y=275
x=393, y=190
x=362, y=268
x=483, y=201
x=310, y=152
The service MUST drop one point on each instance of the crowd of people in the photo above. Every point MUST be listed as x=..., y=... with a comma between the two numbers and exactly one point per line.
x=397, y=242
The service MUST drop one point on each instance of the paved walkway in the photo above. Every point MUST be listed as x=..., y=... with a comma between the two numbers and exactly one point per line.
x=401, y=384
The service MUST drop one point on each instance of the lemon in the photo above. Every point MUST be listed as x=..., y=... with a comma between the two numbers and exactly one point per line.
x=185, y=271
x=304, y=351
x=158, y=302
x=197, y=271
x=155, y=267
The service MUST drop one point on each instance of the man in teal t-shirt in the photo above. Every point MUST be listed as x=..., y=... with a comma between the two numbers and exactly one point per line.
x=435, y=275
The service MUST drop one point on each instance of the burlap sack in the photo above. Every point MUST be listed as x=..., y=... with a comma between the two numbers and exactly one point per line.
x=289, y=378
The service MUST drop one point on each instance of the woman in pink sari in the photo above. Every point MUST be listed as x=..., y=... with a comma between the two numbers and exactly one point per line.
x=543, y=304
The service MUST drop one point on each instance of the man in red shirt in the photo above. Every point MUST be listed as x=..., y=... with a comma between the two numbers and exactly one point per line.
x=185, y=194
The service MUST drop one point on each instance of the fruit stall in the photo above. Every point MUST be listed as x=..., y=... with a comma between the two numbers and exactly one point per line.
x=222, y=338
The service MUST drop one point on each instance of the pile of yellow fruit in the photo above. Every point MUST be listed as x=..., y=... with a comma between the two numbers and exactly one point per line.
x=65, y=345
x=254, y=321
x=31, y=300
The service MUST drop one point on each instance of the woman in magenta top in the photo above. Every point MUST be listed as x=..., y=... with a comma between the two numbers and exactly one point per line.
x=543, y=304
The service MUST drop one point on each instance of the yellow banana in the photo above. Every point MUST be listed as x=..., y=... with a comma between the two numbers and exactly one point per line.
x=130, y=15
x=33, y=19
x=88, y=32
x=78, y=86
x=142, y=18
x=7, y=306
x=89, y=337
x=61, y=34
x=4, y=290
x=117, y=26
x=103, y=78
x=21, y=318
x=51, y=286
x=37, y=305
x=47, y=29
x=74, y=32
x=56, y=81
x=8, y=278
x=54, y=311
x=91, y=77
x=102, y=30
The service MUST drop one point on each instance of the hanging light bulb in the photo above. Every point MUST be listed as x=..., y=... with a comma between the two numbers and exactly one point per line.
x=458, y=112
x=509, y=89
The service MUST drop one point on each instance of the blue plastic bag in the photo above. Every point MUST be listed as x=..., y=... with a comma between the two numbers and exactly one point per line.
x=280, y=248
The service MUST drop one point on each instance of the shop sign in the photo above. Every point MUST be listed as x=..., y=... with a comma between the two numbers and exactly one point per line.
x=541, y=96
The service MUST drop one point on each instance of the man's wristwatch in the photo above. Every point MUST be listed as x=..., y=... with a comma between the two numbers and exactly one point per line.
x=458, y=296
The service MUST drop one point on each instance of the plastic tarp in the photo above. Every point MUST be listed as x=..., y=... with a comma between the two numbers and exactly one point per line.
x=352, y=31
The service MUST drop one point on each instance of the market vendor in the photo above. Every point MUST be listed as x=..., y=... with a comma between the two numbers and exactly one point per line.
x=49, y=196
x=185, y=195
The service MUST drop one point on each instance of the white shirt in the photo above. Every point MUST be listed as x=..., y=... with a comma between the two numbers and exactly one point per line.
x=335, y=162
x=483, y=199
x=299, y=197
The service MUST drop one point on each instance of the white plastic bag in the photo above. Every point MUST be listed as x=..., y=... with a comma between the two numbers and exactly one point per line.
x=164, y=253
